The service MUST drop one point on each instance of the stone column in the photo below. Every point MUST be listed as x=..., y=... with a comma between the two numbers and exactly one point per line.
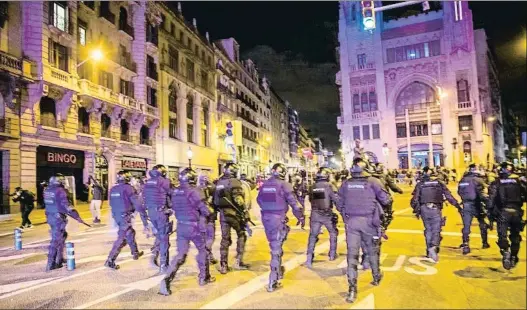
x=197, y=120
x=182, y=118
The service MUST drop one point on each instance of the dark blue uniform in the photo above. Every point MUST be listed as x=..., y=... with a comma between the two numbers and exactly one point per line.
x=208, y=223
x=274, y=197
x=57, y=209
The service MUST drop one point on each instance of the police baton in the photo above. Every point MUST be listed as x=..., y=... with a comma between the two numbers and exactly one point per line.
x=238, y=210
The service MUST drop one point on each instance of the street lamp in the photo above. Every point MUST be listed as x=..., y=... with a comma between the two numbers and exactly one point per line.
x=95, y=54
x=189, y=156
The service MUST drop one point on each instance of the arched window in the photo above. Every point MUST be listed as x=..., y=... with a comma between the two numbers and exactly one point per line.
x=124, y=130
x=356, y=103
x=462, y=91
x=144, y=135
x=106, y=123
x=48, y=116
x=467, y=151
x=172, y=101
x=123, y=19
x=83, y=120
x=205, y=125
x=414, y=97
x=190, y=118
x=373, y=101
x=364, y=102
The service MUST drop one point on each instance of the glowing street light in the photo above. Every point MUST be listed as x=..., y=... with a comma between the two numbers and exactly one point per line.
x=95, y=54
x=190, y=154
x=491, y=118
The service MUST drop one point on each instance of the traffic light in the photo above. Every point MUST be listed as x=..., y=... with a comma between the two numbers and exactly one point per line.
x=368, y=15
x=228, y=131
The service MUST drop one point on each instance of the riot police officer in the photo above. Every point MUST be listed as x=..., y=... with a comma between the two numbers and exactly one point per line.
x=360, y=198
x=427, y=202
x=389, y=184
x=300, y=189
x=507, y=196
x=208, y=222
x=273, y=198
x=124, y=202
x=189, y=205
x=156, y=193
x=229, y=199
x=471, y=190
x=322, y=196
x=57, y=210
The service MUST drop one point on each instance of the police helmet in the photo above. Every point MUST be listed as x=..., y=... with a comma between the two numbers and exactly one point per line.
x=506, y=167
x=279, y=171
x=472, y=167
x=203, y=180
x=359, y=165
x=124, y=177
x=323, y=174
x=162, y=169
x=57, y=179
x=230, y=169
x=188, y=175
x=379, y=168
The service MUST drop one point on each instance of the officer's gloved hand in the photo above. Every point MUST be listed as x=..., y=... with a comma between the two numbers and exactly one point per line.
x=301, y=222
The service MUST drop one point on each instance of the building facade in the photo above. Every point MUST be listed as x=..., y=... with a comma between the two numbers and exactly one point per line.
x=279, y=129
x=186, y=92
x=294, y=135
x=415, y=90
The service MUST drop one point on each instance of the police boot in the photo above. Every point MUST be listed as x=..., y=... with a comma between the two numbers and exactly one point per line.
x=514, y=261
x=332, y=256
x=466, y=248
x=240, y=265
x=205, y=277
x=164, y=289
x=352, y=293
x=137, y=255
x=224, y=267
x=309, y=261
x=485, y=245
x=377, y=279
x=273, y=280
x=51, y=260
x=212, y=259
x=153, y=260
x=432, y=253
x=506, y=260
x=110, y=263
x=281, y=272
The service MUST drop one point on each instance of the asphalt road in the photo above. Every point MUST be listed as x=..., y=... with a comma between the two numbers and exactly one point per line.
x=474, y=281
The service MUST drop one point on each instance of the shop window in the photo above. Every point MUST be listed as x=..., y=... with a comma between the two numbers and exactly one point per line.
x=58, y=56
x=465, y=123
x=356, y=103
x=83, y=120
x=144, y=136
x=58, y=13
x=401, y=130
x=356, y=132
x=48, y=116
x=364, y=102
x=375, y=131
x=462, y=91
x=106, y=123
x=125, y=135
x=172, y=128
x=366, y=132
x=172, y=101
x=373, y=101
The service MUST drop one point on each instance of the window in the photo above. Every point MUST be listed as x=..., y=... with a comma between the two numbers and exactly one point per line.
x=58, y=56
x=465, y=123
x=190, y=70
x=413, y=51
x=124, y=131
x=375, y=131
x=462, y=91
x=106, y=79
x=415, y=97
x=173, y=30
x=151, y=98
x=373, y=101
x=356, y=103
x=190, y=133
x=356, y=132
x=47, y=112
x=123, y=18
x=173, y=56
x=172, y=128
x=172, y=101
x=436, y=127
x=181, y=37
x=401, y=130
x=151, y=67
x=364, y=102
x=82, y=32
x=366, y=132
x=144, y=136
x=418, y=129
x=205, y=127
x=458, y=10
x=127, y=88
x=435, y=49
x=204, y=79
x=353, y=12
x=390, y=55
x=190, y=107
x=59, y=15
x=361, y=61
x=106, y=123
x=83, y=120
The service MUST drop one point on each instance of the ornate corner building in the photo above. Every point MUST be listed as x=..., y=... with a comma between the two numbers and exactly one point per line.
x=420, y=90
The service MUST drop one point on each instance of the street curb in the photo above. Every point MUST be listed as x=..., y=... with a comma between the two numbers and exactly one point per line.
x=6, y=217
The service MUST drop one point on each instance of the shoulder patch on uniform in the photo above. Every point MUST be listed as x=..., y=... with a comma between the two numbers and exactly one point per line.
x=464, y=184
x=504, y=181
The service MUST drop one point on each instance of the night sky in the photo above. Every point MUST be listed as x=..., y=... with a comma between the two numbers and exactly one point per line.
x=293, y=44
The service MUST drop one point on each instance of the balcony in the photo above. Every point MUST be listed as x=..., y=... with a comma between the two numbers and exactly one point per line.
x=224, y=89
x=10, y=63
x=150, y=110
x=420, y=108
x=90, y=89
x=127, y=29
x=226, y=73
x=365, y=115
x=247, y=118
x=225, y=109
x=466, y=105
x=106, y=14
x=368, y=66
x=57, y=76
x=106, y=134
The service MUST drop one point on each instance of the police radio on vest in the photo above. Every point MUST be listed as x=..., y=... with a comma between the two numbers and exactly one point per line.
x=62, y=158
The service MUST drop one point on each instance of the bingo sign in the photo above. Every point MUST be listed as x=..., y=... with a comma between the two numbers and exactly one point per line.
x=132, y=163
x=55, y=157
